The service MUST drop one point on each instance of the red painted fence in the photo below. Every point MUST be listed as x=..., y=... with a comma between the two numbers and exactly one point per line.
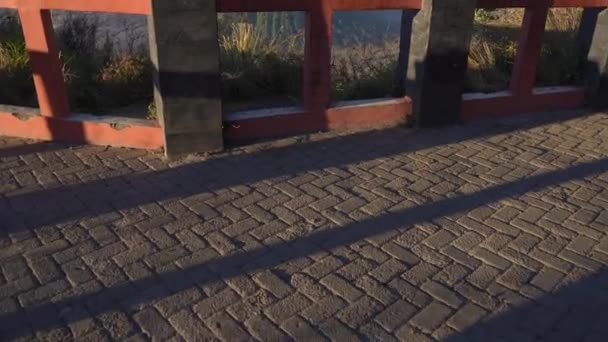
x=54, y=120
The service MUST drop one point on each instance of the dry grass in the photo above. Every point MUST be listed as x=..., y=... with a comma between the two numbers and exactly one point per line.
x=257, y=68
x=493, y=49
x=15, y=67
x=98, y=80
x=269, y=71
x=364, y=71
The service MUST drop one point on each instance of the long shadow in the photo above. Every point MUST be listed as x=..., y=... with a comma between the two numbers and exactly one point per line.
x=578, y=311
x=101, y=196
x=133, y=293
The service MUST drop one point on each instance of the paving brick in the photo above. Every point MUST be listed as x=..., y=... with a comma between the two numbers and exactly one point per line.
x=262, y=329
x=370, y=252
x=105, y=252
x=214, y=303
x=134, y=254
x=273, y=284
x=524, y=242
x=323, y=309
x=359, y=312
x=300, y=330
x=532, y=214
x=507, y=214
x=515, y=277
x=376, y=290
x=117, y=324
x=359, y=267
x=45, y=270
x=552, y=244
x=341, y=287
x=153, y=324
x=466, y=317
x=581, y=245
x=557, y=215
x=39, y=294
x=407, y=333
x=580, y=261
x=190, y=327
x=287, y=307
x=226, y=328
x=419, y=273
x=395, y=315
x=547, y=279
x=220, y=243
x=451, y=274
x=461, y=257
x=401, y=253
x=409, y=292
x=46, y=249
x=308, y=286
x=337, y=331
x=77, y=272
x=440, y=239
x=490, y=258
x=165, y=256
x=251, y=306
x=475, y=295
x=431, y=317
x=495, y=242
x=551, y=260
x=171, y=304
x=442, y=293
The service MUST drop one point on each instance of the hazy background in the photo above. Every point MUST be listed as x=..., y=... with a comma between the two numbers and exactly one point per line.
x=349, y=27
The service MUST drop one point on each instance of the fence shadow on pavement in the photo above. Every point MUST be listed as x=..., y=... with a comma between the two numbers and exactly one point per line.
x=68, y=203
x=81, y=304
x=577, y=311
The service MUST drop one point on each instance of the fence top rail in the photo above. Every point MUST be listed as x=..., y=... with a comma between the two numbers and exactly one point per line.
x=144, y=7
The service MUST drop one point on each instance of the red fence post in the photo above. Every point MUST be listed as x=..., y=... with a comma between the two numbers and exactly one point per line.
x=317, y=59
x=529, y=48
x=48, y=76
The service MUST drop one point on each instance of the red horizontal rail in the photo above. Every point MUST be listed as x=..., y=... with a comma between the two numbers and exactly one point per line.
x=310, y=5
x=112, y=6
x=144, y=6
x=505, y=104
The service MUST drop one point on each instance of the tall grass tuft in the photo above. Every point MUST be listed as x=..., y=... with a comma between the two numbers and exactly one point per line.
x=257, y=67
x=364, y=70
x=15, y=70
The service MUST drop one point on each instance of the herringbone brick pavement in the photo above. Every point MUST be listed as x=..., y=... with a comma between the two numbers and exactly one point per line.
x=492, y=231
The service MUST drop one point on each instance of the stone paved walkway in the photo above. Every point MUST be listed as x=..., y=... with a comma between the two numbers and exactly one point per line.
x=493, y=231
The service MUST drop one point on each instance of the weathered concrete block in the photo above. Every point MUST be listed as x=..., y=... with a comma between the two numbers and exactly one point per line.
x=399, y=83
x=185, y=52
x=597, y=64
x=438, y=60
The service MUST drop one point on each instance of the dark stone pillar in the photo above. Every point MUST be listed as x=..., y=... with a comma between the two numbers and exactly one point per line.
x=185, y=52
x=597, y=64
x=587, y=28
x=407, y=19
x=437, y=64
